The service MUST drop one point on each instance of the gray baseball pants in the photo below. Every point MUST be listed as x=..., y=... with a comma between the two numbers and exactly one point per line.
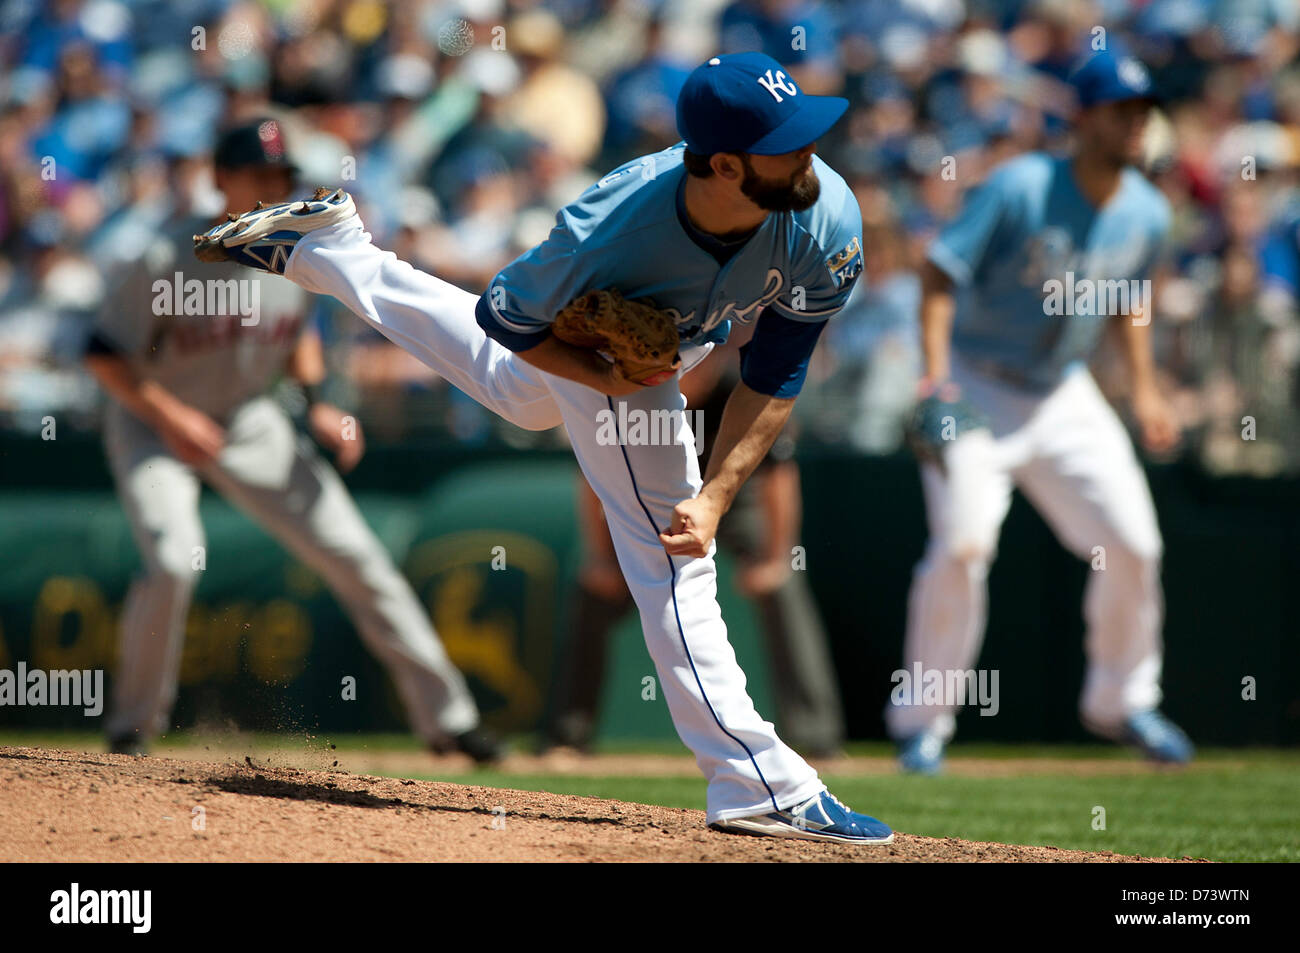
x=280, y=481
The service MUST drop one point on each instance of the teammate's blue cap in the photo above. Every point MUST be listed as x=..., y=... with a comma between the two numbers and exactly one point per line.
x=1106, y=78
x=747, y=102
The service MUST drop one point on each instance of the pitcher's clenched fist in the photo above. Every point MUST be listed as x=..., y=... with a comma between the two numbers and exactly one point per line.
x=695, y=523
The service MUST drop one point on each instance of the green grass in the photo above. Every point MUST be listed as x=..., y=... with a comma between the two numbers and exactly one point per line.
x=1226, y=815
x=1233, y=805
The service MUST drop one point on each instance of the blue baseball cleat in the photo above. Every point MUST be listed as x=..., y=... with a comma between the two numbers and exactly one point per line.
x=821, y=817
x=1158, y=738
x=921, y=754
x=265, y=237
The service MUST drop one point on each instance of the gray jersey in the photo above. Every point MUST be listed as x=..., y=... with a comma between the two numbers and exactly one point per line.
x=215, y=336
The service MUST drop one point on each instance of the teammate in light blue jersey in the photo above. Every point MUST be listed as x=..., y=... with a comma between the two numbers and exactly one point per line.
x=1016, y=293
x=1028, y=225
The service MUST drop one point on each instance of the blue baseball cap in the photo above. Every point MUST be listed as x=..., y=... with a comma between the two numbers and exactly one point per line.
x=1106, y=78
x=747, y=102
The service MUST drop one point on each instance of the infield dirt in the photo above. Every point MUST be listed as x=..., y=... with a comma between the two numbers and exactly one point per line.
x=80, y=806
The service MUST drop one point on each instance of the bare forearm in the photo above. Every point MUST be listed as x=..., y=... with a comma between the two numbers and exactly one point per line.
x=306, y=363
x=937, y=308
x=750, y=425
x=1135, y=343
x=1158, y=424
x=190, y=434
x=145, y=399
x=578, y=364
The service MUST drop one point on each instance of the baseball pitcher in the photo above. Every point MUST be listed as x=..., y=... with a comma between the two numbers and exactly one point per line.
x=740, y=220
x=188, y=373
x=1016, y=292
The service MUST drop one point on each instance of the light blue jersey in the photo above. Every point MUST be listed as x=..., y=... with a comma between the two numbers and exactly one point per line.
x=627, y=232
x=1039, y=267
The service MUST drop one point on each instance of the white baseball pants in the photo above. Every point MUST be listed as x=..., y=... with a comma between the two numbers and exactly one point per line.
x=749, y=769
x=1069, y=454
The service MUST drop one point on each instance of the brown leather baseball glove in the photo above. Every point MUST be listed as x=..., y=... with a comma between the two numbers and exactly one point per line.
x=639, y=339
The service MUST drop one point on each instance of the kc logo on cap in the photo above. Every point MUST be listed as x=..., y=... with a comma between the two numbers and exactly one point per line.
x=1106, y=78
x=778, y=82
x=1134, y=75
x=748, y=103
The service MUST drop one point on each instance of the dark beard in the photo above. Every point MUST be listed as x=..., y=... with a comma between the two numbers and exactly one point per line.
x=780, y=196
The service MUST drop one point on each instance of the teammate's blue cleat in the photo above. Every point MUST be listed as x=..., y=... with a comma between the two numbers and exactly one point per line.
x=265, y=237
x=921, y=754
x=1158, y=738
x=821, y=817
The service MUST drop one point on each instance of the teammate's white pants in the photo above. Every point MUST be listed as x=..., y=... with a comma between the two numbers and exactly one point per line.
x=282, y=483
x=749, y=769
x=1071, y=457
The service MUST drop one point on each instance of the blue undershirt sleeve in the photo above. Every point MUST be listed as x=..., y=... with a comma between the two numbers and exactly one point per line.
x=775, y=361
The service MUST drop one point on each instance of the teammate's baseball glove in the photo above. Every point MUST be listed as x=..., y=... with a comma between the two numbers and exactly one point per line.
x=639, y=339
x=940, y=417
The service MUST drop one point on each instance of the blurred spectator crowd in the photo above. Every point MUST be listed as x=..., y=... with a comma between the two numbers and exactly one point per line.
x=462, y=125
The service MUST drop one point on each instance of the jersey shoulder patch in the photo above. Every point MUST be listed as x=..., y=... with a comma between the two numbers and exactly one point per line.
x=846, y=264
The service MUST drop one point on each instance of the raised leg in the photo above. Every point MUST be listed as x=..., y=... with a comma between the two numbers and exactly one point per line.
x=429, y=318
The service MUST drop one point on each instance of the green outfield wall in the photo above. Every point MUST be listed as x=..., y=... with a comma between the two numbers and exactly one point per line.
x=487, y=540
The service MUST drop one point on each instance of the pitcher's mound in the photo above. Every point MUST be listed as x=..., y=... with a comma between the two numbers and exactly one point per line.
x=76, y=806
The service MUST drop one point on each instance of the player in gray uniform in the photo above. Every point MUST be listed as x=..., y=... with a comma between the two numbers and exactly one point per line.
x=188, y=370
